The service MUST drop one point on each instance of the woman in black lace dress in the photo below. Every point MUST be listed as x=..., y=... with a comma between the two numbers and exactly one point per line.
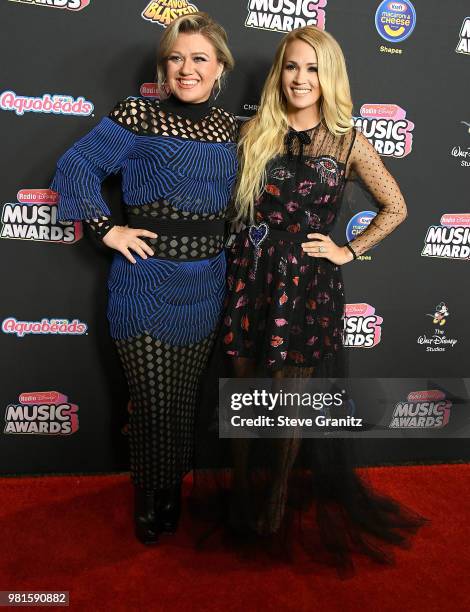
x=284, y=312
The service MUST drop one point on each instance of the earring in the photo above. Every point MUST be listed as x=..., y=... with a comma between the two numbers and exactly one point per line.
x=218, y=91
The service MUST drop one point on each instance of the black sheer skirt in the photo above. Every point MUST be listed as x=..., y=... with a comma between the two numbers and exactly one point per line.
x=276, y=493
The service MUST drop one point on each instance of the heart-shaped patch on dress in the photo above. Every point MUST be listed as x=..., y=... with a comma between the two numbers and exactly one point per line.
x=257, y=233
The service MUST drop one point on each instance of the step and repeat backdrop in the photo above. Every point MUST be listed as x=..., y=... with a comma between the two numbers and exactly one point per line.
x=63, y=397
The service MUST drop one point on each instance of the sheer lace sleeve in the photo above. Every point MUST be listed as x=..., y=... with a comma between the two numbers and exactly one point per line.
x=366, y=163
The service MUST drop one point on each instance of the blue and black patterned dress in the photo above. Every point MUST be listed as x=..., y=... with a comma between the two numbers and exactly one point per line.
x=178, y=164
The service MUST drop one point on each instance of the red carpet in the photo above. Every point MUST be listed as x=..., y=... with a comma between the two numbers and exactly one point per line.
x=75, y=533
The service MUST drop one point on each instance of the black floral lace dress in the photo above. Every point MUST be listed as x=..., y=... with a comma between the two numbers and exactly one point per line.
x=285, y=308
x=283, y=317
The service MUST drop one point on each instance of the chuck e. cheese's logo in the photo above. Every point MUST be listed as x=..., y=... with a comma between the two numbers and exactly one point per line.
x=285, y=15
x=71, y=5
x=163, y=12
x=34, y=217
x=362, y=327
x=387, y=128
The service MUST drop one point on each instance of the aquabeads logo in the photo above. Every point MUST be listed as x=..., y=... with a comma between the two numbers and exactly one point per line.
x=464, y=38
x=450, y=239
x=387, y=128
x=71, y=5
x=395, y=21
x=362, y=327
x=428, y=409
x=43, y=413
x=53, y=327
x=163, y=12
x=285, y=15
x=55, y=104
x=34, y=217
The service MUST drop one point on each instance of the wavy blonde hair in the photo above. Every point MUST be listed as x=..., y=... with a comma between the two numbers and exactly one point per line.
x=264, y=134
x=194, y=23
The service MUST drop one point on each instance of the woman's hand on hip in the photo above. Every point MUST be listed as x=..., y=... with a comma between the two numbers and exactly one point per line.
x=323, y=246
x=123, y=238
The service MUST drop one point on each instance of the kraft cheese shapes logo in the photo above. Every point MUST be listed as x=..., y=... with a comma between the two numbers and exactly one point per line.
x=71, y=5
x=34, y=217
x=362, y=326
x=450, y=239
x=395, y=21
x=387, y=128
x=358, y=224
x=464, y=38
x=163, y=12
x=285, y=15
x=427, y=409
x=43, y=413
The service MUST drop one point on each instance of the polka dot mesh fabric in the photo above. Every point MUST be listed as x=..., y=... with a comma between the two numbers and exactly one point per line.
x=145, y=117
x=367, y=165
x=163, y=384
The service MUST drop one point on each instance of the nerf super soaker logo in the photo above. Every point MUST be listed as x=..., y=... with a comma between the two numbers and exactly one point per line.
x=34, y=217
x=450, y=239
x=362, y=327
x=163, y=12
x=395, y=21
x=48, y=103
x=285, y=15
x=387, y=128
x=428, y=409
x=71, y=5
x=41, y=412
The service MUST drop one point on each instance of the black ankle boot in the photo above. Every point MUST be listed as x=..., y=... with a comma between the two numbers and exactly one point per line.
x=145, y=519
x=168, y=508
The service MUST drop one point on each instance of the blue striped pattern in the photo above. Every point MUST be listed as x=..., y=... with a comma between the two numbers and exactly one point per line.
x=81, y=170
x=178, y=302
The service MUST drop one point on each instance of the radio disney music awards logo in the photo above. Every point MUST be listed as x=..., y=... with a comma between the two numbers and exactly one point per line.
x=387, y=128
x=464, y=38
x=429, y=409
x=43, y=413
x=34, y=217
x=71, y=5
x=150, y=90
x=54, y=104
x=438, y=342
x=356, y=225
x=285, y=15
x=50, y=327
x=163, y=12
x=450, y=239
x=395, y=21
x=362, y=327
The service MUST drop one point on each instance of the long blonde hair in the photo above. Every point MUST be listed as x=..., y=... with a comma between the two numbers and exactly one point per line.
x=263, y=136
x=194, y=23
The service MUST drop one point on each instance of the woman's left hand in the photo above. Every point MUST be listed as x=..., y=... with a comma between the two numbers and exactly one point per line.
x=323, y=246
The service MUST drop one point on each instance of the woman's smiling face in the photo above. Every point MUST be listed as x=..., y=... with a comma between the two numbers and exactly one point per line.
x=192, y=68
x=300, y=83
